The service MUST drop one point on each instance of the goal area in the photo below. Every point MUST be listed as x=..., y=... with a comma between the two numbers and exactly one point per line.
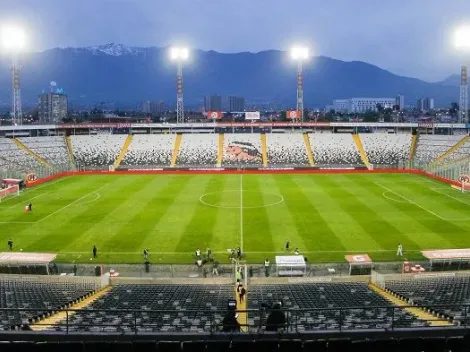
x=9, y=191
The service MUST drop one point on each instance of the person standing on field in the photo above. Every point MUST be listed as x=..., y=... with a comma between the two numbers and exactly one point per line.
x=95, y=252
x=10, y=244
x=287, y=246
x=400, y=250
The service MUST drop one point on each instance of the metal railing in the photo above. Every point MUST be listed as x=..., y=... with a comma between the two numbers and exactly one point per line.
x=376, y=318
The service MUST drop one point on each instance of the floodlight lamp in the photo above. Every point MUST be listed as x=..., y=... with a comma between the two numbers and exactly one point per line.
x=13, y=39
x=462, y=38
x=179, y=53
x=299, y=53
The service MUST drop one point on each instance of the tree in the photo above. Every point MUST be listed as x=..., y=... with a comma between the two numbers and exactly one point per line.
x=380, y=107
x=283, y=116
x=370, y=116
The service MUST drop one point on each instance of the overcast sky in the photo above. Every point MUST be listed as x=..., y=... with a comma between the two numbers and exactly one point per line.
x=408, y=37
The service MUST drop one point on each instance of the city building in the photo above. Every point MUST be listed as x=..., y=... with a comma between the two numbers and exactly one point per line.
x=213, y=103
x=52, y=107
x=400, y=101
x=235, y=104
x=361, y=105
x=425, y=104
x=153, y=107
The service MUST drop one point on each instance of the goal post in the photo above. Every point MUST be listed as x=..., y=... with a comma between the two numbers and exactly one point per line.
x=11, y=190
x=464, y=183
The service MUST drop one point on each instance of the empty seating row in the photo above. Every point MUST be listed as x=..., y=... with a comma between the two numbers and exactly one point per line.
x=17, y=157
x=286, y=149
x=42, y=298
x=97, y=150
x=334, y=149
x=361, y=308
x=53, y=149
x=445, y=295
x=155, y=308
x=432, y=146
x=386, y=149
x=147, y=150
x=198, y=149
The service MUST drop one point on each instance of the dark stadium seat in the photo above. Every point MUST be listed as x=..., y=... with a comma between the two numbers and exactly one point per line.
x=315, y=346
x=324, y=299
x=43, y=297
x=169, y=346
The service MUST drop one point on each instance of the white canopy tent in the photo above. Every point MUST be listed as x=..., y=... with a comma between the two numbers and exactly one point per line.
x=291, y=265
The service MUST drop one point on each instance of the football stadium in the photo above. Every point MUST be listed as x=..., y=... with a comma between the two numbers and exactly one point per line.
x=205, y=236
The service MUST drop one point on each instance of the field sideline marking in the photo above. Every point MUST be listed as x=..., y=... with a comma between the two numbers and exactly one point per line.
x=48, y=184
x=411, y=202
x=70, y=204
x=448, y=195
x=249, y=252
x=27, y=200
x=241, y=212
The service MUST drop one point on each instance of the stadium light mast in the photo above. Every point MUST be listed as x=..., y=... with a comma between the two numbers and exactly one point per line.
x=13, y=42
x=179, y=55
x=462, y=43
x=300, y=54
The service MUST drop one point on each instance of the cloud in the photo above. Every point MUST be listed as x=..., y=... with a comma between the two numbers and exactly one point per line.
x=409, y=37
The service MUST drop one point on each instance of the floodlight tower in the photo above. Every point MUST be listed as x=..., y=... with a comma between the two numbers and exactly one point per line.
x=300, y=54
x=462, y=42
x=13, y=42
x=179, y=55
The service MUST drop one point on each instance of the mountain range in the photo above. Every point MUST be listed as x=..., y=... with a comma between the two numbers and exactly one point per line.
x=127, y=75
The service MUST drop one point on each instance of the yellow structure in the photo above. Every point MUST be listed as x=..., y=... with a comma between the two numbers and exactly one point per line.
x=123, y=152
x=176, y=149
x=413, y=146
x=30, y=152
x=264, y=150
x=453, y=149
x=220, y=150
x=68, y=142
x=360, y=148
x=308, y=148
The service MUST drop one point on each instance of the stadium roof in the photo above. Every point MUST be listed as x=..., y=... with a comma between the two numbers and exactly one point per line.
x=26, y=258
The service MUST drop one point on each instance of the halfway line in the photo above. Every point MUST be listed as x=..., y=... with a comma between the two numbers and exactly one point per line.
x=241, y=212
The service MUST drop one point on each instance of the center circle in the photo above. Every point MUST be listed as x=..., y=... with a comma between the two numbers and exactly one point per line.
x=244, y=200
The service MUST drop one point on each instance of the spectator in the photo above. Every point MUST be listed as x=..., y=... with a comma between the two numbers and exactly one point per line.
x=276, y=320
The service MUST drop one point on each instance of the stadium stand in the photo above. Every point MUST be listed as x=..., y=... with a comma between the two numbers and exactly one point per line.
x=198, y=150
x=460, y=153
x=286, y=149
x=44, y=298
x=432, y=146
x=52, y=149
x=14, y=155
x=242, y=149
x=434, y=292
x=334, y=149
x=153, y=149
x=97, y=150
x=186, y=308
x=352, y=297
x=386, y=149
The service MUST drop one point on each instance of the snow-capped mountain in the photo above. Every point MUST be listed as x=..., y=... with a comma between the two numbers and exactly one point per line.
x=113, y=49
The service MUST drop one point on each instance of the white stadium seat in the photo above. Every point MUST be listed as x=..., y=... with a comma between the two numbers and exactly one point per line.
x=286, y=149
x=387, y=149
x=97, y=150
x=198, y=149
x=432, y=146
x=150, y=149
x=334, y=149
x=53, y=149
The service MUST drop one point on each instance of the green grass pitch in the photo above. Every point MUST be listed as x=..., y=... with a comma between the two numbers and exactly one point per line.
x=325, y=215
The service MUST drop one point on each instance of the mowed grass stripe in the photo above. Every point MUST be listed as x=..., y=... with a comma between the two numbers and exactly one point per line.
x=310, y=225
x=72, y=223
x=227, y=223
x=348, y=231
x=371, y=221
x=129, y=225
x=171, y=226
x=257, y=230
x=203, y=217
x=280, y=218
x=416, y=230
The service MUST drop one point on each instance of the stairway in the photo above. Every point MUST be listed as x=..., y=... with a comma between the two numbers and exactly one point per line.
x=61, y=316
x=264, y=150
x=30, y=152
x=68, y=142
x=123, y=152
x=176, y=149
x=415, y=311
x=242, y=316
x=448, y=153
x=360, y=148
x=413, y=146
x=220, y=149
x=308, y=148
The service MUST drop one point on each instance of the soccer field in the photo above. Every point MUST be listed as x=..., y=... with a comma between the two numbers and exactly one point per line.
x=324, y=215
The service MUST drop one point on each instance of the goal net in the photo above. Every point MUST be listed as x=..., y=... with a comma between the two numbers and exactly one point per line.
x=10, y=190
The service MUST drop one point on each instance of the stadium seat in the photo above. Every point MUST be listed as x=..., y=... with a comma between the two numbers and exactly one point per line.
x=286, y=149
x=52, y=148
x=149, y=150
x=432, y=146
x=186, y=308
x=324, y=298
x=198, y=149
x=96, y=151
x=242, y=149
x=16, y=158
x=387, y=149
x=40, y=296
x=334, y=149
